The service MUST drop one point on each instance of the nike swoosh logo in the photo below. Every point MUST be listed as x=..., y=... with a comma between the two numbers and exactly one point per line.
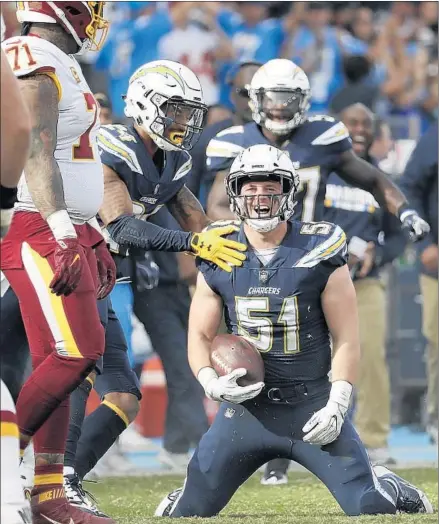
x=55, y=521
x=74, y=260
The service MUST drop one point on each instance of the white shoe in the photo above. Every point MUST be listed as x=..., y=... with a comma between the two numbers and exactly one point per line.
x=16, y=513
x=131, y=441
x=274, y=478
x=175, y=461
x=167, y=505
x=78, y=497
x=27, y=470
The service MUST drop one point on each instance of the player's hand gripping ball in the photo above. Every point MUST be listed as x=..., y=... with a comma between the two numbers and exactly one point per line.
x=230, y=352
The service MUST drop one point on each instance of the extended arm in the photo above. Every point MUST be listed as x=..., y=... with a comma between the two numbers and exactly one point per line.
x=15, y=132
x=204, y=320
x=187, y=210
x=325, y=425
x=218, y=203
x=15, y=127
x=362, y=174
x=127, y=230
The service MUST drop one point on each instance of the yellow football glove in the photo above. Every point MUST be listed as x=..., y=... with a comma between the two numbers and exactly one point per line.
x=211, y=246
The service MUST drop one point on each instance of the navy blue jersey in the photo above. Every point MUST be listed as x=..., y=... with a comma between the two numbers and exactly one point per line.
x=277, y=306
x=150, y=187
x=314, y=148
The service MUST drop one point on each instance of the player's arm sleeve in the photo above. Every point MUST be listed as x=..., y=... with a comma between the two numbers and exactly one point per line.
x=394, y=240
x=223, y=149
x=130, y=231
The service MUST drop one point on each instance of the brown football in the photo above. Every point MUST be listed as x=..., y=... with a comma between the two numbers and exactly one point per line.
x=229, y=352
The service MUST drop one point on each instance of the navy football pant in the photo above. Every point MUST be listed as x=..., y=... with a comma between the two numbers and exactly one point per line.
x=244, y=437
x=117, y=375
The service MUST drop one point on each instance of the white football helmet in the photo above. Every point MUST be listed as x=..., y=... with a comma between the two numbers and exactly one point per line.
x=262, y=162
x=279, y=96
x=83, y=20
x=165, y=99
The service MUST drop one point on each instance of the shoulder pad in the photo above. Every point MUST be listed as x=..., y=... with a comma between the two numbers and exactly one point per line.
x=335, y=132
x=110, y=141
x=27, y=55
x=234, y=130
x=330, y=240
x=227, y=143
x=185, y=166
x=222, y=223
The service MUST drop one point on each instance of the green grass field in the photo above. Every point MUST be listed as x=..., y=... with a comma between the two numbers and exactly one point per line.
x=303, y=501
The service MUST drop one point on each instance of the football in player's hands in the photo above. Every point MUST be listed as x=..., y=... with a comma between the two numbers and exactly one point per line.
x=230, y=352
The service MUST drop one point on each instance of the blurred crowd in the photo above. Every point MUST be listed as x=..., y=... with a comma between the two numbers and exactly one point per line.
x=383, y=54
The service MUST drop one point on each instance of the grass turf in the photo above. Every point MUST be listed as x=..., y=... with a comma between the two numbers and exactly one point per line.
x=305, y=500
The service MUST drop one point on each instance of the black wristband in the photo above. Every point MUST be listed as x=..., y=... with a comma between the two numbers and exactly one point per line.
x=8, y=197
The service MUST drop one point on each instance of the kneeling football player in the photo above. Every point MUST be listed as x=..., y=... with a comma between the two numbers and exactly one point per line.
x=288, y=298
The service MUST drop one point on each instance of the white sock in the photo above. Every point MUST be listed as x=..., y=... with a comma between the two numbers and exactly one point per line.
x=68, y=470
x=11, y=488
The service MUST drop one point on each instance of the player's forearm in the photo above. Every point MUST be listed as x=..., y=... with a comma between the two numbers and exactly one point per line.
x=345, y=361
x=198, y=352
x=45, y=184
x=366, y=176
x=130, y=231
x=188, y=211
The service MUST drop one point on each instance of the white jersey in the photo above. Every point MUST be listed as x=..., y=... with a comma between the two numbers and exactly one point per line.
x=76, y=151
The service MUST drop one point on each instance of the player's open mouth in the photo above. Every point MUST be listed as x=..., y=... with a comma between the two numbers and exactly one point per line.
x=262, y=211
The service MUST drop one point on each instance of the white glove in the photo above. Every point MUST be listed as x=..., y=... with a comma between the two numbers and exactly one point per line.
x=226, y=387
x=325, y=425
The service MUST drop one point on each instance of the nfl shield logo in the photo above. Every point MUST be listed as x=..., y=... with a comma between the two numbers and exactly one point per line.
x=263, y=276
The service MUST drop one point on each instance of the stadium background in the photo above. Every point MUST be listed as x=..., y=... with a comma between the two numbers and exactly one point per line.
x=399, y=40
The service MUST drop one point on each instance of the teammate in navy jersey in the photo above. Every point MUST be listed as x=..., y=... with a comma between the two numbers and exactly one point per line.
x=280, y=97
x=145, y=167
x=290, y=296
